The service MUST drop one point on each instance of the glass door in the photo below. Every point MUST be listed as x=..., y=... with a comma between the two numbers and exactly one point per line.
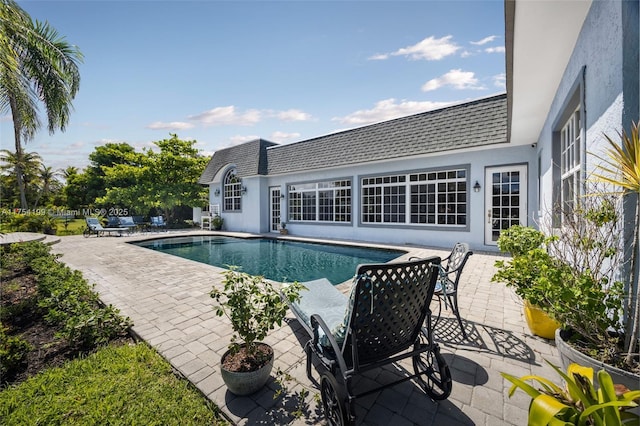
x=275, y=208
x=506, y=200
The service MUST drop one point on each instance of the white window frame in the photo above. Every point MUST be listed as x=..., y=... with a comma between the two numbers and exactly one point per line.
x=232, y=192
x=424, y=198
x=320, y=202
x=570, y=161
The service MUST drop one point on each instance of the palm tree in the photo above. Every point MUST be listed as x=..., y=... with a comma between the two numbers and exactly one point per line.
x=37, y=66
x=23, y=166
x=621, y=168
x=48, y=182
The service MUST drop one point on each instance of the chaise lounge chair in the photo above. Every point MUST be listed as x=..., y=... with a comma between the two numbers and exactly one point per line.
x=158, y=222
x=127, y=223
x=386, y=319
x=95, y=227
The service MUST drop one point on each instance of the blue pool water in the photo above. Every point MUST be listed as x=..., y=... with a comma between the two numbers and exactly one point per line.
x=274, y=259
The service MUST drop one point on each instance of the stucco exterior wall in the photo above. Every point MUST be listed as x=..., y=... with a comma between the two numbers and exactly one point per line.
x=255, y=218
x=597, y=65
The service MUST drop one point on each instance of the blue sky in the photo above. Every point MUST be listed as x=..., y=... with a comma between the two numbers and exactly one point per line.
x=225, y=72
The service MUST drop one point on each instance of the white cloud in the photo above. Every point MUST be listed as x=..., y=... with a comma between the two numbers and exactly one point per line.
x=457, y=79
x=283, y=136
x=389, y=109
x=174, y=125
x=431, y=49
x=227, y=115
x=231, y=116
x=379, y=57
x=498, y=49
x=500, y=80
x=293, y=115
x=484, y=40
x=239, y=139
x=465, y=54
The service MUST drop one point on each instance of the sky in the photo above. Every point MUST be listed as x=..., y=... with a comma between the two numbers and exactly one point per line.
x=226, y=72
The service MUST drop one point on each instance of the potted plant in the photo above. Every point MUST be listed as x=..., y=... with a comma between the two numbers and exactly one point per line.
x=522, y=272
x=216, y=222
x=574, y=276
x=283, y=228
x=254, y=306
x=580, y=402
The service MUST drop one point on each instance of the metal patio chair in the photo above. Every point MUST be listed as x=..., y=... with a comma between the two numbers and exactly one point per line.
x=386, y=319
x=448, y=279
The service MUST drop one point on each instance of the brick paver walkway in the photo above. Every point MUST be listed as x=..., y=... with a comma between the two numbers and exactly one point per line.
x=168, y=300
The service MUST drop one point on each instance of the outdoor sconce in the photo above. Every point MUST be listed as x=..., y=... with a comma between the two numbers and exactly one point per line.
x=282, y=195
x=476, y=187
x=244, y=190
x=216, y=192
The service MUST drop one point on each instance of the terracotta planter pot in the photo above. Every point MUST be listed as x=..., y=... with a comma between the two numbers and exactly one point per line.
x=246, y=383
x=539, y=322
x=569, y=355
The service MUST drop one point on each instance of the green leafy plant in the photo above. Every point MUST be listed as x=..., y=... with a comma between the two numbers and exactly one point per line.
x=579, y=403
x=519, y=240
x=254, y=306
x=13, y=352
x=621, y=168
x=65, y=298
x=573, y=274
x=217, y=222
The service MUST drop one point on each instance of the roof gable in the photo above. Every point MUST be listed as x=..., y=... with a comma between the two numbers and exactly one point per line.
x=249, y=158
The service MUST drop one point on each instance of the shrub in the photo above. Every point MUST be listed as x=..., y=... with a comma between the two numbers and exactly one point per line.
x=67, y=300
x=13, y=352
x=29, y=222
x=518, y=240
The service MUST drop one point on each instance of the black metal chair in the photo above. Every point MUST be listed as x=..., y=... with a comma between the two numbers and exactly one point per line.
x=449, y=277
x=386, y=319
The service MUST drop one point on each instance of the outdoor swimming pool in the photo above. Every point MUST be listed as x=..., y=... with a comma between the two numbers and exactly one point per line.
x=274, y=259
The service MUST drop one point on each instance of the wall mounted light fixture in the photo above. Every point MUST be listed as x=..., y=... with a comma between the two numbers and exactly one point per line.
x=476, y=187
x=216, y=192
x=282, y=195
x=244, y=190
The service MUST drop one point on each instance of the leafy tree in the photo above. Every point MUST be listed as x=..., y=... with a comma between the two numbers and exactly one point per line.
x=38, y=66
x=162, y=180
x=105, y=157
x=75, y=188
x=174, y=174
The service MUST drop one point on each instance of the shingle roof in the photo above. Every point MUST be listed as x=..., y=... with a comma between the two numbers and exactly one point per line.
x=250, y=159
x=473, y=124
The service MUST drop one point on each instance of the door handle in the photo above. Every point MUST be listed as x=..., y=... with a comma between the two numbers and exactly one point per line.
x=488, y=216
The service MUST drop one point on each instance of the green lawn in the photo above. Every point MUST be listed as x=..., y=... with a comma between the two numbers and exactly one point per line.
x=73, y=227
x=125, y=385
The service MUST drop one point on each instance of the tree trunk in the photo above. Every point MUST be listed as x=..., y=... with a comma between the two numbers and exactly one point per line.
x=17, y=128
x=633, y=311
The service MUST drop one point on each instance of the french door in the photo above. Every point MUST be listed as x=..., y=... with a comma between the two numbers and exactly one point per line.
x=274, y=209
x=505, y=200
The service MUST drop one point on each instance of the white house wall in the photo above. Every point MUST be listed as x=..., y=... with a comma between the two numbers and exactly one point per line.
x=256, y=217
x=597, y=60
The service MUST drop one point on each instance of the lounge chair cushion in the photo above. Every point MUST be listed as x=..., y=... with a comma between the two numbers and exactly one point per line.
x=323, y=298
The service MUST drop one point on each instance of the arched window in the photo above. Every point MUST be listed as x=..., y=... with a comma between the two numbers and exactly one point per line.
x=232, y=194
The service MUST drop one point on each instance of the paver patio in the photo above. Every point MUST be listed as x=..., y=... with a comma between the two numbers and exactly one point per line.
x=167, y=298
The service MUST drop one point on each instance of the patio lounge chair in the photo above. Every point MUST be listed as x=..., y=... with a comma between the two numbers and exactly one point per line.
x=95, y=227
x=158, y=222
x=113, y=222
x=386, y=319
x=127, y=223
